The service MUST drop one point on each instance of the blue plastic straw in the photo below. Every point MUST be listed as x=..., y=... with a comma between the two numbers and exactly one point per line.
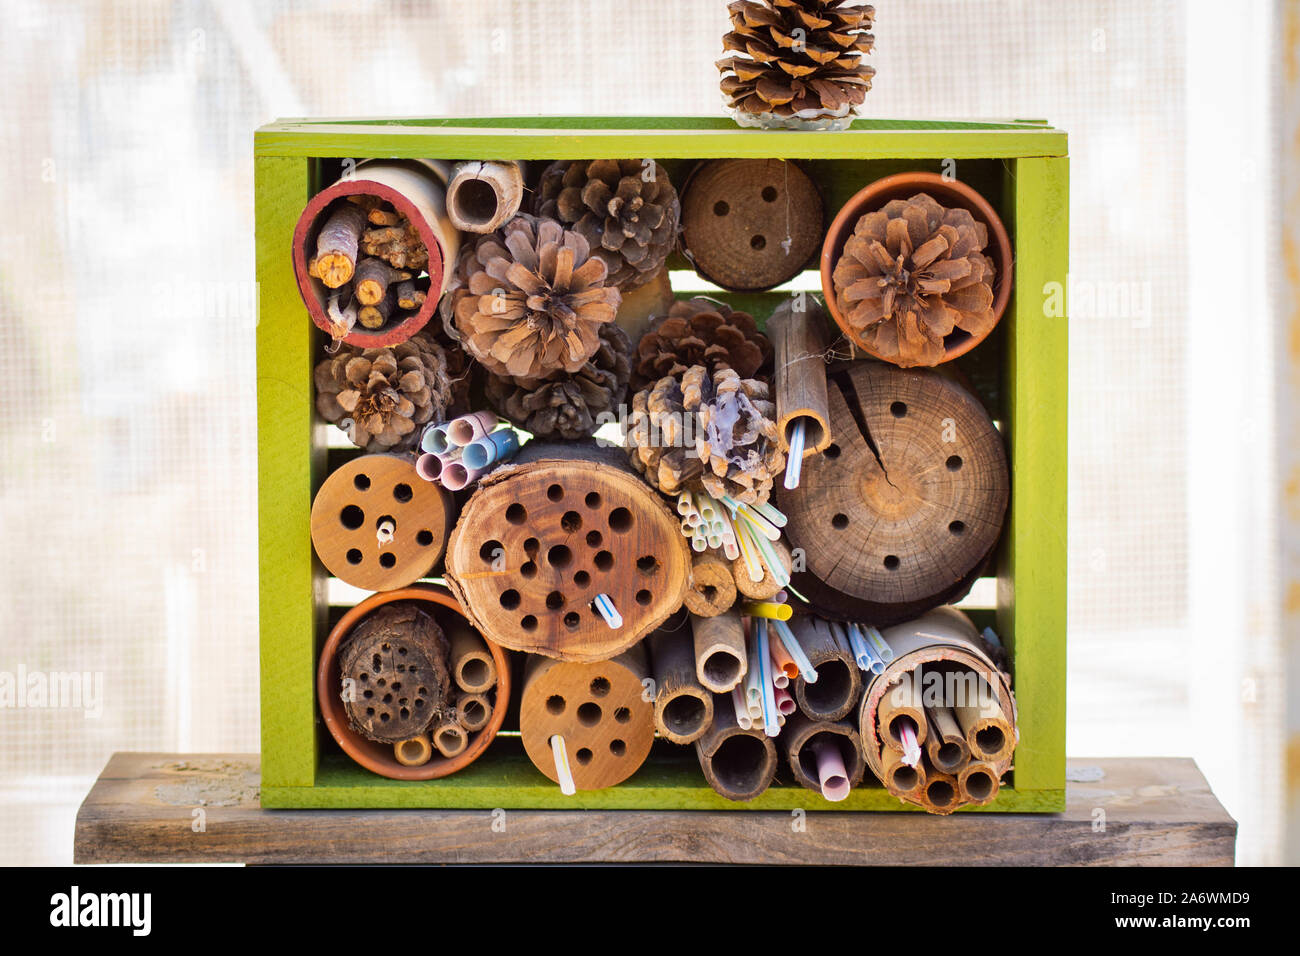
x=771, y=725
x=607, y=610
x=794, y=463
x=792, y=645
x=878, y=643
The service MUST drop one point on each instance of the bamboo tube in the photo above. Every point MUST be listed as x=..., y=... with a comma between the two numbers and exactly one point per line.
x=483, y=195
x=839, y=682
x=945, y=744
x=450, y=738
x=902, y=702
x=985, y=727
x=978, y=782
x=473, y=711
x=738, y=764
x=414, y=752
x=941, y=794
x=898, y=777
x=720, y=658
x=799, y=341
x=683, y=708
x=711, y=588
x=471, y=664
x=801, y=736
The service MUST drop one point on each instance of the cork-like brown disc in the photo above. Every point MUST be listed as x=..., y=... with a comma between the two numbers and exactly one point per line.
x=535, y=545
x=751, y=224
x=600, y=711
x=360, y=496
x=901, y=511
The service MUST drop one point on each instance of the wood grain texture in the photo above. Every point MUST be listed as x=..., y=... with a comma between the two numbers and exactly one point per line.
x=1156, y=812
x=799, y=340
x=683, y=707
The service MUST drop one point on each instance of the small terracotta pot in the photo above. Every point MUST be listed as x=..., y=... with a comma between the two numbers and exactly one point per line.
x=416, y=189
x=379, y=757
x=948, y=192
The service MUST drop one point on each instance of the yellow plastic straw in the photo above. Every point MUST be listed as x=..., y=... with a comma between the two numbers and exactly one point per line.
x=778, y=612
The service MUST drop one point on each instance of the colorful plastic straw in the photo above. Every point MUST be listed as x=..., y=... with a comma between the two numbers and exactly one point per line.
x=779, y=612
x=771, y=721
x=607, y=610
x=491, y=448
x=781, y=658
x=562, y=766
x=428, y=466
x=753, y=691
x=434, y=440
x=795, y=650
x=794, y=460
x=785, y=704
x=471, y=427
x=456, y=476
x=911, y=749
x=832, y=776
x=878, y=643
x=862, y=652
x=743, y=720
x=766, y=509
x=384, y=533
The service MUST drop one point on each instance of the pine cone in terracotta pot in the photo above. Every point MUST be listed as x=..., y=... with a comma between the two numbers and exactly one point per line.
x=626, y=210
x=715, y=434
x=797, y=62
x=568, y=405
x=529, y=300
x=703, y=332
x=910, y=274
x=381, y=396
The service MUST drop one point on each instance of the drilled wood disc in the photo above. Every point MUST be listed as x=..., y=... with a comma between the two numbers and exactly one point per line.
x=360, y=496
x=751, y=224
x=901, y=511
x=599, y=710
x=537, y=543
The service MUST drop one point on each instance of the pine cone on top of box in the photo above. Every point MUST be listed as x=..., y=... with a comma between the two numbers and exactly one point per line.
x=912, y=272
x=796, y=62
x=528, y=300
x=701, y=331
x=626, y=209
x=380, y=396
x=568, y=405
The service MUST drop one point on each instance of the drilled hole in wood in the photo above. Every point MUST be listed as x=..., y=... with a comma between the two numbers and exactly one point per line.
x=720, y=208
x=594, y=539
x=769, y=194
x=953, y=463
x=572, y=620
x=368, y=694
x=757, y=242
x=622, y=715
x=386, y=522
x=528, y=569
x=589, y=714
x=957, y=527
x=554, y=601
x=516, y=513
x=583, y=756
x=531, y=547
x=940, y=792
x=403, y=492
x=643, y=597
x=604, y=560
x=599, y=686
x=592, y=500
x=555, y=492
x=354, y=556
x=387, y=559
x=510, y=599
x=891, y=562
x=491, y=550
x=832, y=451
x=571, y=522
x=424, y=538
x=647, y=564
x=582, y=579
x=528, y=622
x=840, y=521
x=898, y=409
x=352, y=517
x=361, y=482
x=617, y=747
x=555, y=704
x=559, y=556
x=620, y=520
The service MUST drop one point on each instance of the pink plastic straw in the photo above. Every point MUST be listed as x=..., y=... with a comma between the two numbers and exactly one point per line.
x=830, y=770
x=911, y=749
x=428, y=466
x=784, y=702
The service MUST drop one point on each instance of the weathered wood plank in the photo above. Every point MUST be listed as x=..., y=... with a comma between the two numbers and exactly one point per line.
x=169, y=808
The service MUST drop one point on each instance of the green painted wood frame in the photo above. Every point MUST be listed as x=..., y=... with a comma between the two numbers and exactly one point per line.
x=1024, y=161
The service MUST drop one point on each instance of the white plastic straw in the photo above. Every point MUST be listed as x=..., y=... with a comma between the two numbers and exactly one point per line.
x=794, y=460
x=878, y=643
x=562, y=766
x=607, y=610
x=771, y=717
x=743, y=720
x=911, y=749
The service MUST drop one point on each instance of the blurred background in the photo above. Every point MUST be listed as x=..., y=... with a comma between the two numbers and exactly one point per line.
x=127, y=410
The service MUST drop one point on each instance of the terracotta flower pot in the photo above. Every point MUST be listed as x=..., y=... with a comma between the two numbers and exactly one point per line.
x=948, y=192
x=379, y=757
x=416, y=189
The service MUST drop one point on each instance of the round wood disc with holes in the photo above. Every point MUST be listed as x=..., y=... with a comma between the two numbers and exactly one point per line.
x=600, y=711
x=751, y=224
x=361, y=500
x=900, y=513
x=537, y=542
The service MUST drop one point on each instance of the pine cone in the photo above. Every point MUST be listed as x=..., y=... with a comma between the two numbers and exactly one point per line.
x=567, y=406
x=529, y=299
x=911, y=273
x=701, y=332
x=380, y=396
x=713, y=434
x=630, y=223
x=798, y=59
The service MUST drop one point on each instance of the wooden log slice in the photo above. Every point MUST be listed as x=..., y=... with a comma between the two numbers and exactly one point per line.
x=361, y=495
x=598, y=708
x=900, y=513
x=737, y=215
x=539, y=540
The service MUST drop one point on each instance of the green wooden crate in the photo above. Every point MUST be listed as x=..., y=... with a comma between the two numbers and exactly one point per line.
x=1020, y=372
